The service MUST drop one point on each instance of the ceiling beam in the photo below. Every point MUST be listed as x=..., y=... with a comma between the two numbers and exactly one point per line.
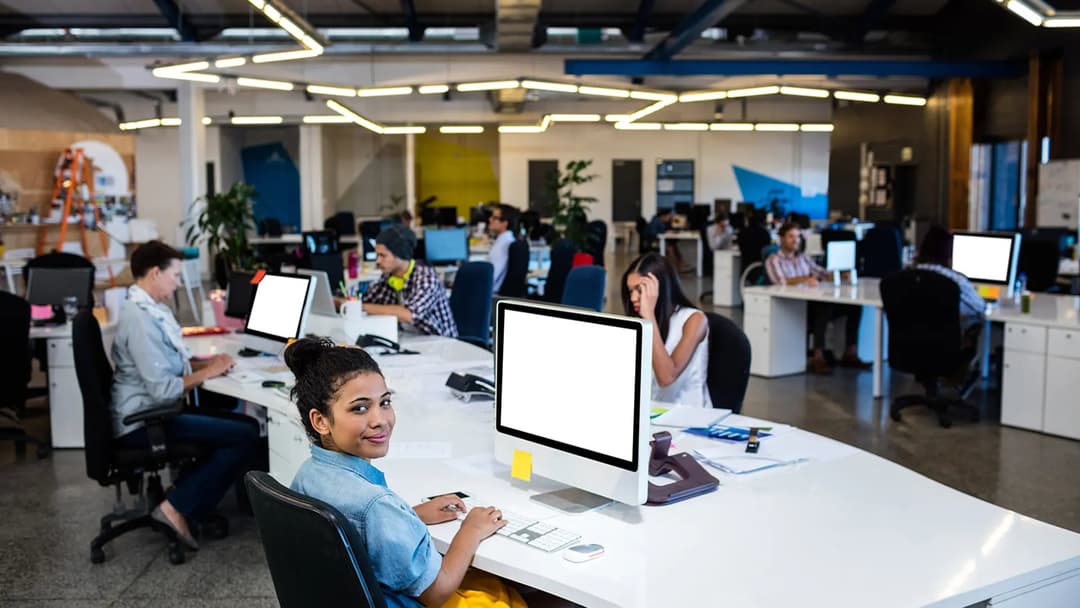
x=515, y=24
x=774, y=67
x=416, y=31
x=705, y=16
x=875, y=12
x=177, y=20
x=636, y=33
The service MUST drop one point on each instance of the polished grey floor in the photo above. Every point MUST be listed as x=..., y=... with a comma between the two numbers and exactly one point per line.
x=49, y=510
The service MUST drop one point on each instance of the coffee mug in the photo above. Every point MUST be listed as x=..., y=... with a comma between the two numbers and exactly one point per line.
x=352, y=310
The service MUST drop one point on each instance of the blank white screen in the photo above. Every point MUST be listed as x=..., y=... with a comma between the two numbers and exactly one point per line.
x=982, y=258
x=569, y=381
x=840, y=255
x=278, y=305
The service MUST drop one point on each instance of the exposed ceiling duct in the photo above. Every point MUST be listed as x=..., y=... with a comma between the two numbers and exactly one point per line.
x=515, y=24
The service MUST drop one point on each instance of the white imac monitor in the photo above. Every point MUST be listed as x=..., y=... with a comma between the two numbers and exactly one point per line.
x=279, y=311
x=840, y=257
x=324, y=296
x=986, y=257
x=573, y=389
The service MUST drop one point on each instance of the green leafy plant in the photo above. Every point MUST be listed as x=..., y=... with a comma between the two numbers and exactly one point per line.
x=224, y=223
x=571, y=210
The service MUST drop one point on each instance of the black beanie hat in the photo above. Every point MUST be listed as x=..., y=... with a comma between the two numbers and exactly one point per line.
x=401, y=241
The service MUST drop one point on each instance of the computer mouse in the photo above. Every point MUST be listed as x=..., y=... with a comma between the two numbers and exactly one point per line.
x=583, y=553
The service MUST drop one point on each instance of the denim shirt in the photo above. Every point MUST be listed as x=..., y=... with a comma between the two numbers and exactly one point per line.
x=399, y=547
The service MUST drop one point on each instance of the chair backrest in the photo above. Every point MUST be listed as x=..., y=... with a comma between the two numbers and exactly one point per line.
x=596, y=239
x=828, y=236
x=15, y=356
x=515, y=283
x=923, y=311
x=729, y=363
x=470, y=301
x=585, y=287
x=56, y=259
x=342, y=223
x=881, y=252
x=270, y=226
x=95, y=375
x=529, y=221
x=562, y=260
x=1039, y=262
x=706, y=247
x=315, y=555
x=752, y=240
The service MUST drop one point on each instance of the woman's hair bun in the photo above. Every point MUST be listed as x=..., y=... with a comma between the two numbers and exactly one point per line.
x=303, y=355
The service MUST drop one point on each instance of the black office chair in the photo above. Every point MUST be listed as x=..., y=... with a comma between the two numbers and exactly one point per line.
x=529, y=223
x=1039, y=258
x=315, y=554
x=515, y=284
x=585, y=287
x=828, y=236
x=470, y=302
x=729, y=363
x=111, y=465
x=15, y=360
x=596, y=241
x=880, y=252
x=645, y=245
x=753, y=241
x=342, y=223
x=925, y=339
x=562, y=259
x=706, y=259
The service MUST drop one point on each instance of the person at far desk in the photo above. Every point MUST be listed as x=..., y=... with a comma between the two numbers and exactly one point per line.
x=153, y=366
x=790, y=267
x=661, y=223
x=408, y=290
x=349, y=415
x=935, y=255
x=502, y=224
x=680, y=356
x=721, y=234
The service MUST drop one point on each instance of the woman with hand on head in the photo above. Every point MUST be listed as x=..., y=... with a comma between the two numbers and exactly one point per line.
x=680, y=357
x=349, y=416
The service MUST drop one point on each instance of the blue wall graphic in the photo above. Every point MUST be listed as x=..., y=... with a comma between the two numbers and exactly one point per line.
x=272, y=172
x=762, y=190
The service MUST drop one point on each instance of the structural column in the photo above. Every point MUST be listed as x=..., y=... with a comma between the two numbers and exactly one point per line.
x=410, y=176
x=192, y=164
x=312, y=204
x=1045, y=75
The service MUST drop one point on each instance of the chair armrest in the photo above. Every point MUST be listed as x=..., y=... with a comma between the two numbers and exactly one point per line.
x=167, y=410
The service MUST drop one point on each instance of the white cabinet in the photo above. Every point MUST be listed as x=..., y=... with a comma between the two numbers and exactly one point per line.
x=1062, y=408
x=1040, y=379
x=1022, y=390
x=770, y=323
x=726, y=265
x=65, y=399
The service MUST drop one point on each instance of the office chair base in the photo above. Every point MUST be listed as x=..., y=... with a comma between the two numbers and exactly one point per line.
x=939, y=405
x=97, y=546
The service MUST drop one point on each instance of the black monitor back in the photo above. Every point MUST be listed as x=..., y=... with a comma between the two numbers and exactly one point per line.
x=50, y=286
x=239, y=294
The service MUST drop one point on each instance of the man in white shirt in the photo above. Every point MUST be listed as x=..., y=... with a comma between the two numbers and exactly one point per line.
x=503, y=226
x=720, y=233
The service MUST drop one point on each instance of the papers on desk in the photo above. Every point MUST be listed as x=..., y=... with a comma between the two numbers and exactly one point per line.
x=682, y=416
x=786, y=446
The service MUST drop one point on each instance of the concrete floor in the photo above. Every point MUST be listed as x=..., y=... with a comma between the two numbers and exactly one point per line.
x=49, y=510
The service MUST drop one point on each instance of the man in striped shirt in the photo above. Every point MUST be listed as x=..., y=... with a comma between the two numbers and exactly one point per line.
x=790, y=267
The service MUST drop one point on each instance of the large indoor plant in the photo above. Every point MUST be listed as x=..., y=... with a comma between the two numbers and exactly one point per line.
x=223, y=223
x=571, y=210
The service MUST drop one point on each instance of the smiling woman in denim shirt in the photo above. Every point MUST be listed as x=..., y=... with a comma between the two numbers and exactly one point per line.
x=347, y=411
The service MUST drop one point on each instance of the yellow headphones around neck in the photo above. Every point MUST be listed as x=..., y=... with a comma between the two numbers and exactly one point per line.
x=398, y=283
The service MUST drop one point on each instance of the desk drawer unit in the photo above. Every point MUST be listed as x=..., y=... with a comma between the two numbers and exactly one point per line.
x=65, y=399
x=288, y=446
x=1025, y=338
x=1063, y=343
x=1061, y=412
x=776, y=328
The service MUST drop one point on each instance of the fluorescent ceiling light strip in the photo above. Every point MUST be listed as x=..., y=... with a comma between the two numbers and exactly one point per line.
x=170, y=122
x=575, y=118
x=804, y=92
x=856, y=96
x=259, y=4
x=259, y=83
x=905, y=100
x=231, y=62
x=461, y=129
x=754, y=91
x=731, y=126
x=686, y=126
x=650, y=96
x=616, y=117
x=286, y=55
x=319, y=89
x=207, y=120
x=1025, y=12
x=656, y=107
x=384, y=91
x=638, y=126
x=702, y=96
x=326, y=119
x=312, y=44
x=433, y=89
x=257, y=120
x=1062, y=22
x=353, y=116
x=493, y=85
x=603, y=91
x=192, y=76
x=520, y=129
x=194, y=66
x=403, y=130
x=557, y=87
x=776, y=126
x=271, y=12
x=816, y=128
x=140, y=124
x=294, y=30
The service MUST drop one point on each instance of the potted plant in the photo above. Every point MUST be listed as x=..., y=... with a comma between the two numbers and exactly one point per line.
x=223, y=224
x=571, y=210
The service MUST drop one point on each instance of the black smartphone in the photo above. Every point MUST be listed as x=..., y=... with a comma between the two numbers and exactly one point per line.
x=460, y=495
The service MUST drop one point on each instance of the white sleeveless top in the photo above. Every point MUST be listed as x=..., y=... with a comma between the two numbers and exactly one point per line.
x=689, y=388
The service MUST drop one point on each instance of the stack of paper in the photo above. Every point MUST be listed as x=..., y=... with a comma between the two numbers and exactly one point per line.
x=785, y=446
x=682, y=416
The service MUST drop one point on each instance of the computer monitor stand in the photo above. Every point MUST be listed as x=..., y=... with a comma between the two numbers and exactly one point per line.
x=837, y=276
x=571, y=500
x=693, y=478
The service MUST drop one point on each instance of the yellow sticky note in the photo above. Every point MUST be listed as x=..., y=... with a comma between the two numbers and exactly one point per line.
x=989, y=292
x=521, y=468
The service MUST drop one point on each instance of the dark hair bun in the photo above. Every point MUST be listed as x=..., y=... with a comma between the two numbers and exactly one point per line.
x=303, y=355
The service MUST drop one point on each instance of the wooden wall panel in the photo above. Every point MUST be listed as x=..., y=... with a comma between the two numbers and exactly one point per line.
x=961, y=133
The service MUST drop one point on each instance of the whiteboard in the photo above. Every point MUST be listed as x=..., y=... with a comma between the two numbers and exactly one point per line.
x=1059, y=193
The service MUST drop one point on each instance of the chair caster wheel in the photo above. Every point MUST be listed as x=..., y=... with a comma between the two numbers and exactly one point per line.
x=176, y=554
x=97, y=556
x=945, y=422
x=895, y=415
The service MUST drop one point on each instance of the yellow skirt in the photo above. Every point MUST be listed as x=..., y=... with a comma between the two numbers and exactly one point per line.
x=482, y=590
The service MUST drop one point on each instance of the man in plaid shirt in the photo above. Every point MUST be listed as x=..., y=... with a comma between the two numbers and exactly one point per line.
x=790, y=267
x=410, y=291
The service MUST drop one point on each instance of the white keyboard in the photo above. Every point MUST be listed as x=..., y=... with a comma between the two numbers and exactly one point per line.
x=257, y=369
x=531, y=532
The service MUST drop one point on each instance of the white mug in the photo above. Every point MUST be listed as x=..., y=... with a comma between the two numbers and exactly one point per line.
x=352, y=310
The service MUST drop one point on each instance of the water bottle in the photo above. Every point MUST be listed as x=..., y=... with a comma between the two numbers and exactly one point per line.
x=1020, y=287
x=353, y=262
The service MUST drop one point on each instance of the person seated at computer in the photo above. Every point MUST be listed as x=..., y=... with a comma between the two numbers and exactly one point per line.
x=935, y=255
x=406, y=218
x=680, y=357
x=349, y=415
x=661, y=223
x=153, y=367
x=721, y=234
x=502, y=223
x=790, y=267
x=409, y=290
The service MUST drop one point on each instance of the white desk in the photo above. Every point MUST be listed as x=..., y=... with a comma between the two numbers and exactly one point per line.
x=684, y=235
x=774, y=318
x=850, y=532
x=350, y=240
x=727, y=266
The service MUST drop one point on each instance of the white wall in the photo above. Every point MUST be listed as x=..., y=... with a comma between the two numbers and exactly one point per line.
x=799, y=158
x=157, y=181
x=363, y=170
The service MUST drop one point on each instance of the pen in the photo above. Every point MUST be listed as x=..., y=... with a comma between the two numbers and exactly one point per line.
x=344, y=290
